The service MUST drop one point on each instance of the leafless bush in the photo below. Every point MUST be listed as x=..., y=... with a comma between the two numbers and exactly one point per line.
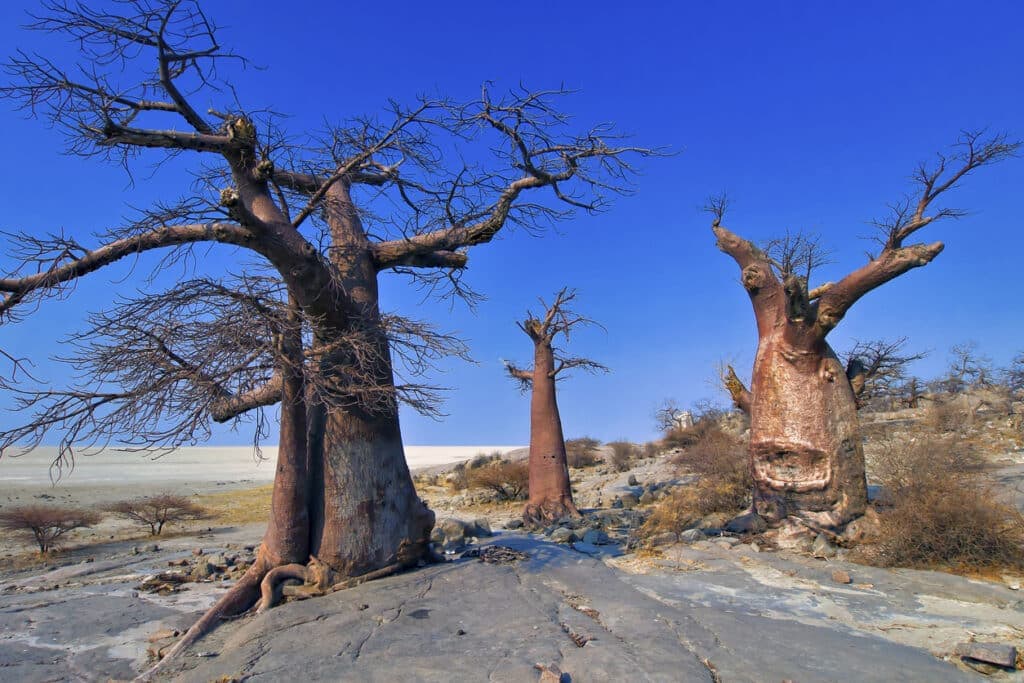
x=724, y=484
x=582, y=452
x=943, y=511
x=947, y=416
x=623, y=454
x=46, y=523
x=707, y=418
x=509, y=480
x=650, y=449
x=158, y=511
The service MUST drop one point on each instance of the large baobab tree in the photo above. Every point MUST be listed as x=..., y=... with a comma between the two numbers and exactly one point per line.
x=312, y=220
x=805, y=449
x=550, y=496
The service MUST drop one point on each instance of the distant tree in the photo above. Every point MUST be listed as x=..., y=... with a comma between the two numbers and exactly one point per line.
x=508, y=480
x=670, y=415
x=314, y=218
x=46, y=524
x=1013, y=376
x=158, y=510
x=968, y=368
x=550, y=496
x=877, y=368
x=805, y=448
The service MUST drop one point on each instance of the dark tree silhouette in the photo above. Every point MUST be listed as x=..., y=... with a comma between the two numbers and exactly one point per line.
x=550, y=496
x=805, y=449
x=46, y=524
x=877, y=368
x=317, y=217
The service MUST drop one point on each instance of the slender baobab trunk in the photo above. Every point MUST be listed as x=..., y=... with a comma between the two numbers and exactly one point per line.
x=550, y=496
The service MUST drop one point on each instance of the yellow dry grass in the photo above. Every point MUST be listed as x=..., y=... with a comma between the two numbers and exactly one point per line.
x=243, y=506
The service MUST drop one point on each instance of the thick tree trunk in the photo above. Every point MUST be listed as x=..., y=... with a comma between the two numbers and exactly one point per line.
x=805, y=447
x=550, y=496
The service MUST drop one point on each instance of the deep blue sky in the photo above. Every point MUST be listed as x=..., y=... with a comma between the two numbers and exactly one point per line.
x=810, y=115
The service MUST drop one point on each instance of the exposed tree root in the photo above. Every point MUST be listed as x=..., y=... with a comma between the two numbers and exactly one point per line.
x=542, y=514
x=270, y=593
x=369, y=576
x=237, y=600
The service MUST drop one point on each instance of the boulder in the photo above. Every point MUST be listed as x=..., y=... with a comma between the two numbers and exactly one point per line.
x=664, y=538
x=596, y=537
x=841, y=576
x=822, y=549
x=563, y=535
x=516, y=523
x=748, y=523
x=1000, y=654
x=449, y=531
x=632, y=481
x=479, y=528
x=202, y=570
x=691, y=536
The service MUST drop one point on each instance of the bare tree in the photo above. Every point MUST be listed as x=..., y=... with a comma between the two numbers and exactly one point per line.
x=877, y=368
x=968, y=367
x=317, y=217
x=158, y=510
x=805, y=450
x=670, y=415
x=1013, y=376
x=46, y=524
x=550, y=496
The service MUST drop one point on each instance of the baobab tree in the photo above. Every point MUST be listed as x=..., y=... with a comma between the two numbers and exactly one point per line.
x=312, y=220
x=550, y=495
x=805, y=449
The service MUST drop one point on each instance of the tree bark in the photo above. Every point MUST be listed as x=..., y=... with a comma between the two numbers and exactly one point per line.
x=550, y=496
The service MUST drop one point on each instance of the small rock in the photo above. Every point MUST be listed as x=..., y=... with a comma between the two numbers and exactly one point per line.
x=999, y=654
x=617, y=503
x=514, y=524
x=152, y=547
x=632, y=481
x=1012, y=582
x=728, y=540
x=135, y=550
x=664, y=538
x=202, y=570
x=748, y=523
x=586, y=548
x=691, y=536
x=629, y=501
x=822, y=549
x=596, y=537
x=563, y=535
x=841, y=576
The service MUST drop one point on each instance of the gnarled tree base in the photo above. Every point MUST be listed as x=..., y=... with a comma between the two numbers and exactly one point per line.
x=548, y=511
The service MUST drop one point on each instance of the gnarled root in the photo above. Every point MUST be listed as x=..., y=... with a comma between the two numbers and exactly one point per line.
x=542, y=514
x=238, y=599
x=270, y=592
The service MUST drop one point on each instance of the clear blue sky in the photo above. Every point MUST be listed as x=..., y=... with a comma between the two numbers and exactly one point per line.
x=811, y=115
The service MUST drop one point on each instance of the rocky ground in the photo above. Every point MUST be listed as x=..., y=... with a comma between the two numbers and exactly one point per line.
x=581, y=598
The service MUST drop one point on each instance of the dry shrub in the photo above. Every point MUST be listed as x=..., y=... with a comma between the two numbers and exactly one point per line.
x=509, y=480
x=158, y=511
x=947, y=416
x=458, y=478
x=650, y=449
x=944, y=511
x=582, y=452
x=45, y=524
x=623, y=453
x=723, y=485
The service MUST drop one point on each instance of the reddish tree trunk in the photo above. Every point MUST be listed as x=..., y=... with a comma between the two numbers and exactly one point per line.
x=805, y=447
x=550, y=496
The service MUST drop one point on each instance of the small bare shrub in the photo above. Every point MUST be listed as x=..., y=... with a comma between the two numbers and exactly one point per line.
x=943, y=510
x=46, y=523
x=623, y=453
x=650, y=450
x=509, y=480
x=947, y=416
x=158, y=511
x=582, y=452
x=724, y=484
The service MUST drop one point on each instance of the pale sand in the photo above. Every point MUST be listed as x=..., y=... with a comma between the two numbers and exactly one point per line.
x=199, y=469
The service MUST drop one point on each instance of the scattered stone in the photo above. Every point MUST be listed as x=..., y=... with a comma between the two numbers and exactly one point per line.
x=202, y=570
x=998, y=654
x=563, y=535
x=217, y=560
x=691, y=536
x=1012, y=582
x=596, y=537
x=822, y=549
x=496, y=554
x=664, y=538
x=135, y=550
x=748, y=523
x=514, y=524
x=841, y=576
x=632, y=481
x=460, y=632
